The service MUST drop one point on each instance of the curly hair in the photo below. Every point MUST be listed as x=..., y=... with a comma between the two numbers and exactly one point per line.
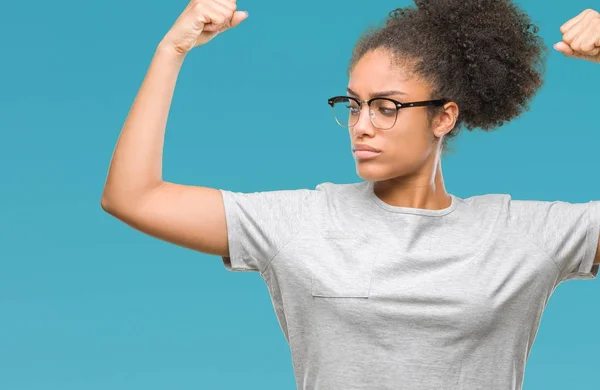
x=482, y=54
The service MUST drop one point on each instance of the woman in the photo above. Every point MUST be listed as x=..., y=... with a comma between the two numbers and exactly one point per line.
x=390, y=283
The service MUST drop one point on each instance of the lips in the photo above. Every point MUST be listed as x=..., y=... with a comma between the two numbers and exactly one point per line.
x=365, y=147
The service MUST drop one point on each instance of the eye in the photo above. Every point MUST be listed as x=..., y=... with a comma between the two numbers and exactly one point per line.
x=354, y=111
x=387, y=111
x=386, y=107
x=353, y=107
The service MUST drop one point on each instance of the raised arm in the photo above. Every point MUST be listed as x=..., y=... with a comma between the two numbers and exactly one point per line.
x=135, y=193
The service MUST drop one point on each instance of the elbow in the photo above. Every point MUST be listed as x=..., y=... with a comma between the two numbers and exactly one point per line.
x=113, y=200
x=118, y=203
x=115, y=206
x=106, y=204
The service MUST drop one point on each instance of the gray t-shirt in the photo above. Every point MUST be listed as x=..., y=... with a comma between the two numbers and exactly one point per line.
x=373, y=296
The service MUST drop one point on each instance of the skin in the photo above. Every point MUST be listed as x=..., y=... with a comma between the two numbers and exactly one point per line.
x=581, y=37
x=408, y=171
x=581, y=40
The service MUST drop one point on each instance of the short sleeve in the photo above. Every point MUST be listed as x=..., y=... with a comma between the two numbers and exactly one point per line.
x=260, y=224
x=568, y=232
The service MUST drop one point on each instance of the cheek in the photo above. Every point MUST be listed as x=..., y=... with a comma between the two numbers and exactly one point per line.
x=411, y=138
x=408, y=149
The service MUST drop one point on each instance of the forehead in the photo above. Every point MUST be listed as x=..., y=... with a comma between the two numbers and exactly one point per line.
x=376, y=71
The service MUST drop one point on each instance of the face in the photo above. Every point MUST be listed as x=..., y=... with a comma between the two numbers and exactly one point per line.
x=412, y=144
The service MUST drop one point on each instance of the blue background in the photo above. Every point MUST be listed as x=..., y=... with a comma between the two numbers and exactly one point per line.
x=87, y=302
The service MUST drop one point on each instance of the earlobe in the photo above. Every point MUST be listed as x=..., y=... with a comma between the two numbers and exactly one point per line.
x=441, y=129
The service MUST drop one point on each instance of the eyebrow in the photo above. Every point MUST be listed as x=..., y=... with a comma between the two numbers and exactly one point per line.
x=382, y=93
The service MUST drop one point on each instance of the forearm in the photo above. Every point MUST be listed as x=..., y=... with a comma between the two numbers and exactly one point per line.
x=136, y=164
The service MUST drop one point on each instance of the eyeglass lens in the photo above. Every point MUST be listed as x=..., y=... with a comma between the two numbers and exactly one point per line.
x=382, y=112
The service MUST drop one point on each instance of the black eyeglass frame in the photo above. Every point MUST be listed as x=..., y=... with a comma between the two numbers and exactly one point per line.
x=399, y=105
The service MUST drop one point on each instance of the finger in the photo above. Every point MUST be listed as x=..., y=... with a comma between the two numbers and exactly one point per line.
x=235, y=18
x=569, y=52
x=570, y=23
x=212, y=16
x=584, y=42
x=574, y=31
x=564, y=48
x=225, y=9
x=593, y=52
x=588, y=46
x=228, y=4
x=238, y=17
x=228, y=14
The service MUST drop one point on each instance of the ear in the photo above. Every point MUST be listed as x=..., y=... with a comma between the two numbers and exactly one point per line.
x=446, y=120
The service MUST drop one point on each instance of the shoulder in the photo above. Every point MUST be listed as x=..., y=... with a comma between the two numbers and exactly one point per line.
x=485, y=200
x=488, y=206
x=340, y=188
x=343, y=193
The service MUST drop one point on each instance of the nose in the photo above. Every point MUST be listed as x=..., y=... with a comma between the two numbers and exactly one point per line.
x=364, y=124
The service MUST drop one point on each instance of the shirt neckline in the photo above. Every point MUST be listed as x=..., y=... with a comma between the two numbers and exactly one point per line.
x=409, y=210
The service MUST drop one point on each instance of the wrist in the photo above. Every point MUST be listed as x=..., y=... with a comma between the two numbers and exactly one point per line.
x=165, y=49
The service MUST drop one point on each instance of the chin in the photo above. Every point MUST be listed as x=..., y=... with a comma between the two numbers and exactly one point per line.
x=372, y=172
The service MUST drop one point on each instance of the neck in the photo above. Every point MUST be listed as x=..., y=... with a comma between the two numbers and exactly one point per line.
x=423, y=190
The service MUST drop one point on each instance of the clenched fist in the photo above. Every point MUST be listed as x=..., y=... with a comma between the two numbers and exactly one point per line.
x=581, y=36
x=200, y=22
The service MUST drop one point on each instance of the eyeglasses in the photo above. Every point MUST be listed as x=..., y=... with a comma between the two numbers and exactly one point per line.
x=382, y=111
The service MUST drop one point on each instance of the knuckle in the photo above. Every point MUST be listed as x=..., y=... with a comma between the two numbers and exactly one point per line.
x=198, y=6
x=228, y=4
x=218, y=17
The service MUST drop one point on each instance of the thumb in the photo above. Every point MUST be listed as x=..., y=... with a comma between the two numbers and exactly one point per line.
x=238, y=17
x=564, y=48
x=569, y=52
